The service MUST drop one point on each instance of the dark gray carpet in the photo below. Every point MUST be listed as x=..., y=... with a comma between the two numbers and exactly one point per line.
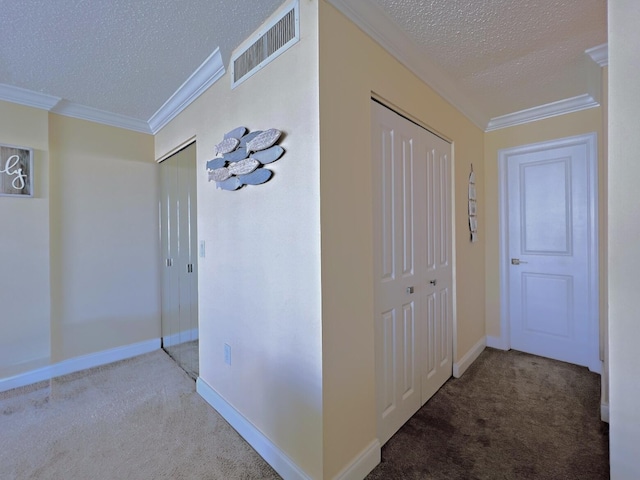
x=510, y=416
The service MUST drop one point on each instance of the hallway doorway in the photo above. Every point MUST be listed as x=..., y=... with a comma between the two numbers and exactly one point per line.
x=549, y=249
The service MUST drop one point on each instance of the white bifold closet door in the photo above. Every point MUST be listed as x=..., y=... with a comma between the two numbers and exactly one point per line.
x=412, y=266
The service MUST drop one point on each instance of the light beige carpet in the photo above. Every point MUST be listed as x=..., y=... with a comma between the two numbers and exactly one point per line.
x=136, y=419
x=187, y=356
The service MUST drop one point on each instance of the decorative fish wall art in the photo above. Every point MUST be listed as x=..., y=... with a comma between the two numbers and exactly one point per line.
x=240, y=156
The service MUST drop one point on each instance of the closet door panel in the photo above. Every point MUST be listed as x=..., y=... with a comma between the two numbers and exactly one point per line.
x=169, y=241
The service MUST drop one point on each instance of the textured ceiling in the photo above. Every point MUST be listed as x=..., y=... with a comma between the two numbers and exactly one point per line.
x=506, y=54
x=129, y=56
x=121, y=56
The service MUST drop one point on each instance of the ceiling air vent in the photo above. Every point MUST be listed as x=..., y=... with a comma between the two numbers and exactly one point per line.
x=266, y=45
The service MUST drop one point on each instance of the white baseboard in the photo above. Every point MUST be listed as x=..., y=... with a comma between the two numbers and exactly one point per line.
x=604, y=412
x=180, y=337
x=79, y=363
x=362, y=464
x=496, y=342
x=275, y=457
x=596, y=366
x=27, y=378
x=465, y=362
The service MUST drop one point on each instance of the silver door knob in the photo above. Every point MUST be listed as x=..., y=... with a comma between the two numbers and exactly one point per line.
x=433, y=282
x=517, y=261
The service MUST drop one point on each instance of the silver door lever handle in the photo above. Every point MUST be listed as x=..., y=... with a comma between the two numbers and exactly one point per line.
x=517, y=261
x=433, y=282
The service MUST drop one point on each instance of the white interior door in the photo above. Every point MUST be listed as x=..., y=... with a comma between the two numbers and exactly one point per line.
x=552, y=256
x=413, y=271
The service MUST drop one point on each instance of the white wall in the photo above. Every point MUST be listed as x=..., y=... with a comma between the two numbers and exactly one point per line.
x=24, y=250
x=259, y=284
x=624, y=238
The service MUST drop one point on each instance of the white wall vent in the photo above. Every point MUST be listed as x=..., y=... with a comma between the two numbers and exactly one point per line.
x=266, y=45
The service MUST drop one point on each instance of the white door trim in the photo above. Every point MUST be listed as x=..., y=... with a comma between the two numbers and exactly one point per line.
x=590, y=140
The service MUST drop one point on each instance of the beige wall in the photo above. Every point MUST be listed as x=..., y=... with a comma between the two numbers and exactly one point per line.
x=104, y=238
x=84, y=251
x=624, y=235
x=24, y=250
x=287, y=280
x=352, y=66
x=585, y=121
x=259, y=283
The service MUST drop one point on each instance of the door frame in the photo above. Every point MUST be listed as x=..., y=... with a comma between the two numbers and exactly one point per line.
x=590, y=141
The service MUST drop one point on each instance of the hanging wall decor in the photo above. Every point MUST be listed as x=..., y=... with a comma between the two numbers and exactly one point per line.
x=240, y=158
x=473, y=208
x=16, y=171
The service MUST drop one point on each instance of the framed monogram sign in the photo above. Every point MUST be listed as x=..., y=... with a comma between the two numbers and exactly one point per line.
x=16, y=171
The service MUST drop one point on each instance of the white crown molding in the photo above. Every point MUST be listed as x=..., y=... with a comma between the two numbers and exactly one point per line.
x=69, y=109
x=57, y=105
x=599, y=54
x=561, y=107
x=22, y=96
x=205, y=76
x=375, y=23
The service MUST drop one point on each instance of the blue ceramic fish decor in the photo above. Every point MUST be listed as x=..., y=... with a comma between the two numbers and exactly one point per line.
x=240, y=157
